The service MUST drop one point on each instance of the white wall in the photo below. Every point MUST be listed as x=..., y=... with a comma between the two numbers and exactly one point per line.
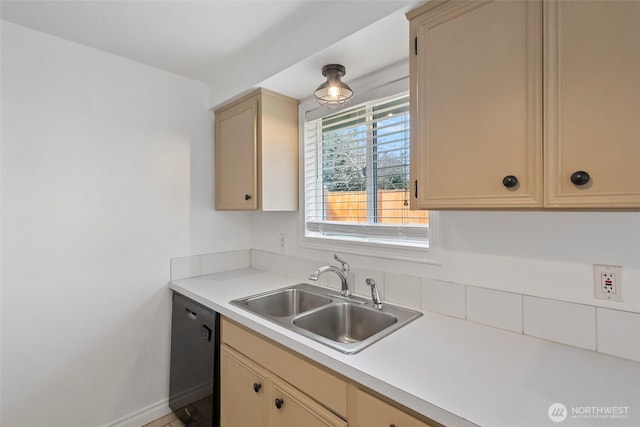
x=547, y=254
x=106, y=174
x=528, y=273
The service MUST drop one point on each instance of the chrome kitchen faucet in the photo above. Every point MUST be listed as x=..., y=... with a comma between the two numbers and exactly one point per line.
x=343, y=274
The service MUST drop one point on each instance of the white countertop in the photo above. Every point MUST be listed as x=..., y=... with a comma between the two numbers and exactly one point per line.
x=453, y=371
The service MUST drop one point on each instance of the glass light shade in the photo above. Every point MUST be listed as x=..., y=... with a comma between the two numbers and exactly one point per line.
x=334, y=92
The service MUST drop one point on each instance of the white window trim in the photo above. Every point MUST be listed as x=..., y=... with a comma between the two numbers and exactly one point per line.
x=386, y=82
x=430, y=255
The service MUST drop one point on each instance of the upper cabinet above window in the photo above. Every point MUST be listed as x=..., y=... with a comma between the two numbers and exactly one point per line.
x=525, y=104
x=256, y=149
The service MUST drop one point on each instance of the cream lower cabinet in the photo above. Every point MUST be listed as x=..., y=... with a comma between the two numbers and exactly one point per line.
x=525, y=104
x=263, y=384
x=251, y=396
x=373, y=412
x=244, y=390
x=266, y=385
x=293, y=409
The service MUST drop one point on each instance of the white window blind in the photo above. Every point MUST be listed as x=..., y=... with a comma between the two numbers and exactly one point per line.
x=357, y=176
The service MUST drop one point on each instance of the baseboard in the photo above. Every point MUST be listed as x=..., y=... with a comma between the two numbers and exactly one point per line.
x=143, y=416
x=189, y=396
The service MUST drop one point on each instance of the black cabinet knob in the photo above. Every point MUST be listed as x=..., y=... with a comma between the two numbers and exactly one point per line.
x=279, y=403
x=257, y=387
x=247, y=196
x=580, y=178
x=510, y=181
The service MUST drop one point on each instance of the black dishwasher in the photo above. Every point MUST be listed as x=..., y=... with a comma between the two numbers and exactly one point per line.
x=194, y=386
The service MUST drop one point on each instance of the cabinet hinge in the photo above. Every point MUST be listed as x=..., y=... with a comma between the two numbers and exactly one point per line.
x=415, y=185
x=415, y=45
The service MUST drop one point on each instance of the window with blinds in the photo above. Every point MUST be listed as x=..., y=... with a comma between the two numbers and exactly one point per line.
x=357, y=176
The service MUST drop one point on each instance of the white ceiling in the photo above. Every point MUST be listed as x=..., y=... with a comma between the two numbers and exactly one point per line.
x=233, y=45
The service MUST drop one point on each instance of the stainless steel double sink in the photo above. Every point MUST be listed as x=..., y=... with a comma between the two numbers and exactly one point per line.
x=345, y=324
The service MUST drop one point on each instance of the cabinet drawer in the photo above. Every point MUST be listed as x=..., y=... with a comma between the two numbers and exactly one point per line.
x=373, y=412
x=308, y=377
x=296, y=409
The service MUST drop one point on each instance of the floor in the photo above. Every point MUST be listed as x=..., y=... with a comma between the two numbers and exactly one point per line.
x=170, y=420
x=197, y=414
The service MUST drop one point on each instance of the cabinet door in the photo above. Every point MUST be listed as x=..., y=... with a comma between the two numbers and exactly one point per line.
x=236, y=156
x=373, y=412
x=278, y=157
x=244, y=392
x=592, y=103
x=315, y=381
x=476, y=105
x=293, y=409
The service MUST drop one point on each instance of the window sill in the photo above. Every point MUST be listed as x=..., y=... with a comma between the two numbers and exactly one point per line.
x=374, y=249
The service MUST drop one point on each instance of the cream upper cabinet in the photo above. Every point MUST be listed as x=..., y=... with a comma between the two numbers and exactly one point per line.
x=256, y=150
x=592, y=92
x=476, y=104
x=525, y=104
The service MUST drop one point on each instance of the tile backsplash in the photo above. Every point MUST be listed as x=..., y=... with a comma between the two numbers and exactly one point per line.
x=198, y=265
x=444, y=298
x=613, y=332
x=402, y=289
x=565, y=322
x=608, y=331
x=495, y=308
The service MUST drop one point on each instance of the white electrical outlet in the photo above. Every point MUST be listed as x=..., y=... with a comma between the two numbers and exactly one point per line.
x=283, y=242
x=607, y=282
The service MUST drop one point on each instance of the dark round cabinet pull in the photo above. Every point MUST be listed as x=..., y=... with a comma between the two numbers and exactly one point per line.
x=247, y=196
x=580, y=178
x=279, y=403
x=257, y=387
x=392, y=425
x=510, y=181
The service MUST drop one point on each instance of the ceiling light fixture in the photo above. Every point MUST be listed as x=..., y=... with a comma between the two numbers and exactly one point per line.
x=334, y=92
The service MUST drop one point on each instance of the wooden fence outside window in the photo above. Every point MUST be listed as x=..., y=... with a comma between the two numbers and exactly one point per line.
x=392, y=207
